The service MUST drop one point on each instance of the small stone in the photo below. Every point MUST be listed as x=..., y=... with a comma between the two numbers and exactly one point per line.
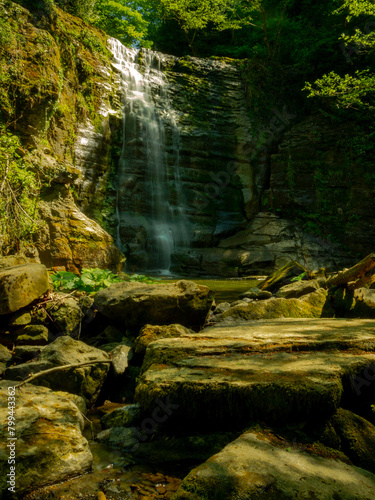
x=5, y=354
x=113, y=334
x=220, y=308
x=24, y=353
x=20, y=318
x=33, y=335
x=121, y=355
x=126, y=416
x=119, y=437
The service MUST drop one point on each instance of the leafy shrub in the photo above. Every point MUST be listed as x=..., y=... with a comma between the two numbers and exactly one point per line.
x=19, y=193
x=92, y=280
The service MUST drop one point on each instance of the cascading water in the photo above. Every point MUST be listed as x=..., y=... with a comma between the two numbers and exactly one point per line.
x=150, y=201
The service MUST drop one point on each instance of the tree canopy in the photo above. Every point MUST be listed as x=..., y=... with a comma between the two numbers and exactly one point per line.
x=194, y=15
x=355, y=89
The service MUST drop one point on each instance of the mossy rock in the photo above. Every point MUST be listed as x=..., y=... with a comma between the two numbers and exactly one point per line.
x=260, y=465
x=357, y=438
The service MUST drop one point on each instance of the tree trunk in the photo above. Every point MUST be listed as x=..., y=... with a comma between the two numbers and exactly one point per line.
x=358, y=275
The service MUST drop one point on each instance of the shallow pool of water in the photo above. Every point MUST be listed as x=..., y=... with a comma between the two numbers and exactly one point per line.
x=225, y=290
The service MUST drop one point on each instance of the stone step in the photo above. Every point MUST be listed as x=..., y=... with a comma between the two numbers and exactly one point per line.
x=275, y=371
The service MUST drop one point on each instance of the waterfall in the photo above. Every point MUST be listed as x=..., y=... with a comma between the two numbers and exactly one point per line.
x=150, y=200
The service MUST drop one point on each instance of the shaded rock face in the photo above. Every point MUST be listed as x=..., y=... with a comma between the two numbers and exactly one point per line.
x=50, y=446
x=357, y=438
x=266, y=243
x=315, y=174
x=359, y=303
x=135, y=304
x=260, y=465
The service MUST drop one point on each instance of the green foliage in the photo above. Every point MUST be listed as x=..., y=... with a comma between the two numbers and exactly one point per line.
x=81, y=8
x=91, y=280
x=196, y=15
x=121, y=19
x=141, y=278
x=299, y=277
x=349, y=91
x=355, y=90
x=19, y=193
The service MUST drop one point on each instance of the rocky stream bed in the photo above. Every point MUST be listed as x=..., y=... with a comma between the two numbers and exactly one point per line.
x=154, y=391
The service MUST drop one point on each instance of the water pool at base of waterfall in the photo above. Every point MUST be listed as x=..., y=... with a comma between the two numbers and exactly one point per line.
x=225, y=290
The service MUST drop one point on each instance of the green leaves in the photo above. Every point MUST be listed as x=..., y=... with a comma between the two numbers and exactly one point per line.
x=356, y=90
x=121, y=20
x=349, y=90
x=141, y=278
x=299, y=277
x=19, y=192
x=193, y=15
x=91, y=280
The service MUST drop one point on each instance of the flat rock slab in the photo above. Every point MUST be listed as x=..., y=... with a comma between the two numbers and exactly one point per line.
x=21, y=285
x=274, y=371
x=261, y=467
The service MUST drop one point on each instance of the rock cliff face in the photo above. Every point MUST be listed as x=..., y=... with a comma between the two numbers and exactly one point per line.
x=184, y=174
x=322, y=175
x=166, y=155
x=56, y=81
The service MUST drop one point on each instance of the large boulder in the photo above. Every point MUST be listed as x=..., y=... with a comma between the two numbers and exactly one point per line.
x=21, y=285
x=8, y=261
x=49, y=446
x=86, y=381
x=135, y=304
x=262, y=466
x=71, y=239
x=274, y=371
x=313, y=305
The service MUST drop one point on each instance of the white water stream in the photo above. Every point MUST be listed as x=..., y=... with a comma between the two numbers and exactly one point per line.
x=150, y=205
